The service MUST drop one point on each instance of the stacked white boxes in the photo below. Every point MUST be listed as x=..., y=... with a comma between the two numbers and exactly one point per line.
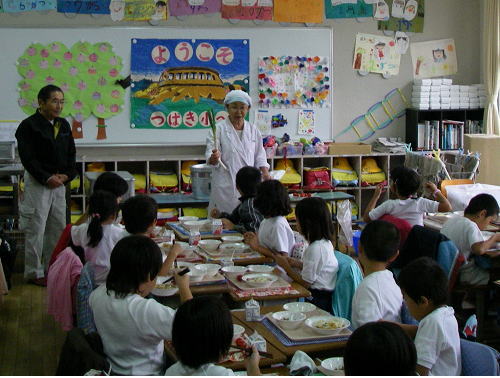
x=441, y=94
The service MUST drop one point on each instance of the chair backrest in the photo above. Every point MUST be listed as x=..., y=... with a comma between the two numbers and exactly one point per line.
x=446, y=183
x=349, y=276
x=478, y=359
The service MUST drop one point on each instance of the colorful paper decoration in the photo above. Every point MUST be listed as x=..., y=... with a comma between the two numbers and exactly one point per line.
x=358, y=9
x=14, y=6
x=308, y=11
x=140, y=10
x=85, y=72
x=83, y=6
x=293, y=81
x=379, y=115
x=306, y=122
x=247, y=9
x=406, y=16
x=191, y=7
x=434, y=58
x=176, y=81
x=375, y=53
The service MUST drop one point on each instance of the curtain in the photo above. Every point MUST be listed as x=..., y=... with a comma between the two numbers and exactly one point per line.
x=491, y=37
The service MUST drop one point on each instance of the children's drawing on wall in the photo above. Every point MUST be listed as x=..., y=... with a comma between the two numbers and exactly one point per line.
x=278, y=120
x=87, y=73
x=160, y=11
x=381, y=12
x=306, y=122
x=117, y=10
x=263, y=121
x=83, y=6
x=348, y=9
x=14, y=6
x=247, y=9
x=176, y=81
x=310, y=11
x=140, y=10
x=293, y=81
x=191, y=7
x=405, y=15
x=434, y=58
x=377, y=54
x=402, y=42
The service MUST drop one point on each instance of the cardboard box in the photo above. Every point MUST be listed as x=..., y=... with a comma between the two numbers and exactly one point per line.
x=349, y=148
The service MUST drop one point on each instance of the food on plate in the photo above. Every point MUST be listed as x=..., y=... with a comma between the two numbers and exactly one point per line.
x=328, y=324
x=165, y=286
x=261, y=279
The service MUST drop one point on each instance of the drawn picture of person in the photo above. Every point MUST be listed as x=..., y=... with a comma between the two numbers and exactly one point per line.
x=160, y=10
x=379, y=51
x=438, y=55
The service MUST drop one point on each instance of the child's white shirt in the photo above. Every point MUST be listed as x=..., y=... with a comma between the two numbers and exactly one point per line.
x=275, y=233
x=464, y=233
x=132, y=330
x=377, y=297
x=438, y=343
x=411, y=209
x=320, y=266
x=208, y=369
x=99, y=255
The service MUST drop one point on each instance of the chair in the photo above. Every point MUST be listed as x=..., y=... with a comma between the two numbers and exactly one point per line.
x=446, y=183
x=478, y=359
x=349, y=276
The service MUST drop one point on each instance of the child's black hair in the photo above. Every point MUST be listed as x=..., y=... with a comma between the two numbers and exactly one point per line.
x=424, y=277
x=380, y=240
x=482, y=202
x=406, y=180
x=111, y=182
x=138, y=213
x=102, y=205
x=380, y=348
x=315, y=219
x=202, y=331
x=45, y=92
x=134, y=260
x=272, y=199
x=247, y=180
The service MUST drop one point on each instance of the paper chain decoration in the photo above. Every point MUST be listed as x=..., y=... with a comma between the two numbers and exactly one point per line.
x=375, y=123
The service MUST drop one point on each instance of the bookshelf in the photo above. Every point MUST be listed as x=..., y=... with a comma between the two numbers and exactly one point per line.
x=469, y=118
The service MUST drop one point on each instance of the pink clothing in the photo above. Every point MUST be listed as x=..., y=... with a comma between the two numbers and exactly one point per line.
x=61, y=280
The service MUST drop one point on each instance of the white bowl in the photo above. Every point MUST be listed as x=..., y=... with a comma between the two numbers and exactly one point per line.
x=184, y=264
x=234, y=269
x=260, y=268
x=333, y=365
x=259, y=279
x=313, y=321
x=288, y=319
x=232, y=238
x=167, y=291
x=303, y=307
x=195, y=225
x=232, y=246
x=187, y=219
x=209, y=270
x=238, y=330
x=196, y=275
x=209, y=244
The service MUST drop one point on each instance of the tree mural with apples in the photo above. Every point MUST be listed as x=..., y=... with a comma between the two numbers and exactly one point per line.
x=87, y=73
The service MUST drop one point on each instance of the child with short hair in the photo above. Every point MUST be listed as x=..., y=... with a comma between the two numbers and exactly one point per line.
x=99, y=236
x=405, y=183
x=139, y=214
x=274, y=235
x=380, y=348
x=319, y=265
x=201, y=336
x=377, y=297
x=245, y=217
x=425, y=290
x=465, y=232
x=133, y=328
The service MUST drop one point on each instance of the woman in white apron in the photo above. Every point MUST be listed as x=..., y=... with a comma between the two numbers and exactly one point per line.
x=239, y=144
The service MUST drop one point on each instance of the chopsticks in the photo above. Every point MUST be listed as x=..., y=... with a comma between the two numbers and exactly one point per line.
x=181, y=273
x=249, y=351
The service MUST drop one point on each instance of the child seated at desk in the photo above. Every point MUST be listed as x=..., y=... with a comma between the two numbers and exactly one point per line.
x=465, y=232
x=425, y=290
x=405, y=183
x=245, y=217
x=377, y=297
x=201, y=336
x=133, y=328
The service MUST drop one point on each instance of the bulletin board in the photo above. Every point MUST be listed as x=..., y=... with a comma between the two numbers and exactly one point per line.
x=262, y=42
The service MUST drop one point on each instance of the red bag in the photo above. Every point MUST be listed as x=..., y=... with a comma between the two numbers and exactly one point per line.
x=317, y=178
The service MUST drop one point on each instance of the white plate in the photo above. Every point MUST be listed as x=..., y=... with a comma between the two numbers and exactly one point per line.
x=164, y=292
x=232, y=238
x=310, y=322
x=303, y=307
x=234, y=269
x=269, y=279
x=260, y=268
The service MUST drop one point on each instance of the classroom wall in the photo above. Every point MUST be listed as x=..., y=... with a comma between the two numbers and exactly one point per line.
x=352, y=93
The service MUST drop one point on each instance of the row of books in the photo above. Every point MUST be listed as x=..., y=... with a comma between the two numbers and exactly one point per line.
x=474, y=127
x=445, y=135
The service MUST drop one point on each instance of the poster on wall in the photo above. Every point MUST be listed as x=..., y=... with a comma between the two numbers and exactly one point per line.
x=176, y=81
x=247, y=9
x=83, y=6
x=403, y=15
x=179, y=8
x=434, y=58
x=14, y=6
x=377, y=54
x=308, y=11
x=140, y=10
x=351, y=9
x=293, y=81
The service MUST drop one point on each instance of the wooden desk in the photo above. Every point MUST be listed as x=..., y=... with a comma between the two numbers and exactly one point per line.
x=436, y=222
x=302, y=293
x=331, y=348
x=278, y=357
